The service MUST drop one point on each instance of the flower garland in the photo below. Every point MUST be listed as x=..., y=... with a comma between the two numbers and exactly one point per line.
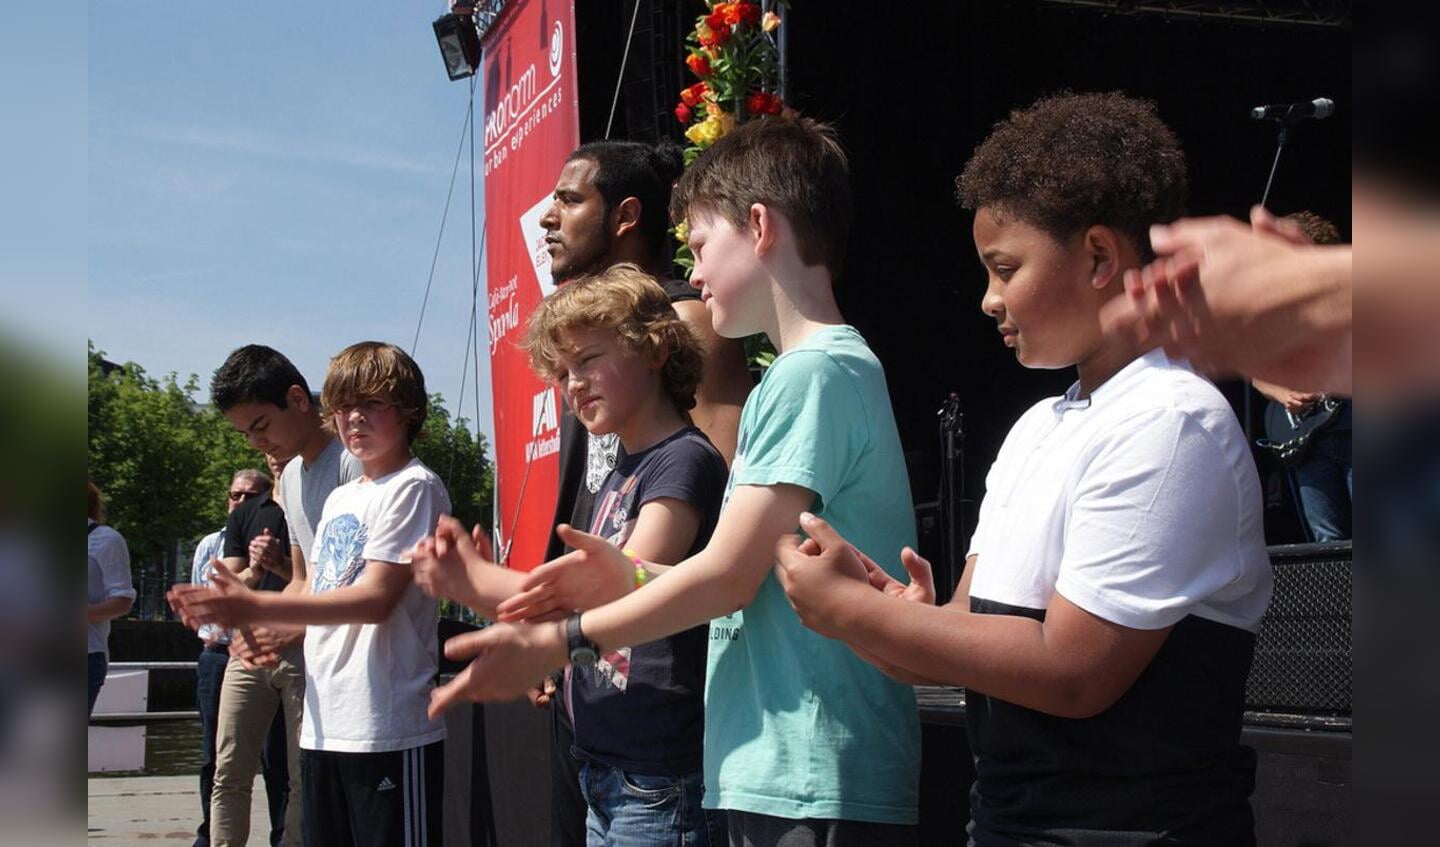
x=733, y=53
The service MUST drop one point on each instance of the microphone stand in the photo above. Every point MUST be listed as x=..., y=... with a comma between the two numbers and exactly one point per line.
x=952, y=500
x=1281, y=139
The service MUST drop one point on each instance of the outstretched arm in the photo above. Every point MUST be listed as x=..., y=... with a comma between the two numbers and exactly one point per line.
x=1074, y=664
x=370, y=599
x=715, y=582
x=459, y=566
x=1242, y=299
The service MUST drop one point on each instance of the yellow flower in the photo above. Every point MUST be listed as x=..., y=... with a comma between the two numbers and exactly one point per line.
x=682, y=231
x=710, y=130
x=698, y=132
x=770, y=22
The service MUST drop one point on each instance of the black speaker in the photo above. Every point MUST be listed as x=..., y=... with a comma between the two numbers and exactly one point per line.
x=1302, y=663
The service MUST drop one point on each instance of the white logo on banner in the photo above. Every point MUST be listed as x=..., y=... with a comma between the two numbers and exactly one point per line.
x=557, y=48
x=534, y=235
x=544, y=419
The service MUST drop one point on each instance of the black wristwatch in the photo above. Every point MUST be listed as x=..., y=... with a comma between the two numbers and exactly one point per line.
x=583, y=651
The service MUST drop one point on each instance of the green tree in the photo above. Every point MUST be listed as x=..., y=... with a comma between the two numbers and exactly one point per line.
x=163, y=462
x=449, y=449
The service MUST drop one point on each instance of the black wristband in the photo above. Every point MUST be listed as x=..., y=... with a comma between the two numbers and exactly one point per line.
x=582, y=650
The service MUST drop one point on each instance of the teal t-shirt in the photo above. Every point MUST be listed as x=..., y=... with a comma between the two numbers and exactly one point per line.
x=796, y=725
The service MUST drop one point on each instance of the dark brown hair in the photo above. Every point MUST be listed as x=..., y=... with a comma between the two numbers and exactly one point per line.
x=1319, y=230
x=1071, y=161
x=792, y=165
x=95, y=503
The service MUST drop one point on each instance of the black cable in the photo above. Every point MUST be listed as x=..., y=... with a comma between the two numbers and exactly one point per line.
x=470, y=334
x=468, y=127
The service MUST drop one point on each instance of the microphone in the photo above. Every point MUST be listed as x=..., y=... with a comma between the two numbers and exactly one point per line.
x=1319, y=109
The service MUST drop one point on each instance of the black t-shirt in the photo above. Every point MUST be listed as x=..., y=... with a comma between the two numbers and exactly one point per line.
x=1163, y=764
x=585, y=460
x=246, y=523
x=680, y=289
x=641, y=708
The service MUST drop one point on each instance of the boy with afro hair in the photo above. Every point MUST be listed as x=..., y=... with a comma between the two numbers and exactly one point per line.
x=1104, y=625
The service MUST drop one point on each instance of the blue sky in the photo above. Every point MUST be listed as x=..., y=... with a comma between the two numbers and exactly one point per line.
x=276, y=173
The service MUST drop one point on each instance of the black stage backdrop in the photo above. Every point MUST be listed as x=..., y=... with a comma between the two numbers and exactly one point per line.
x=914, y=88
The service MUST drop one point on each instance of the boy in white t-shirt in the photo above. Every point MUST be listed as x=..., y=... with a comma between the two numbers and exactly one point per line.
x=1104, y=626
x=371, y=757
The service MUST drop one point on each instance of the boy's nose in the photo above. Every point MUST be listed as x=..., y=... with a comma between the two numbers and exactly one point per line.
x=991, y=304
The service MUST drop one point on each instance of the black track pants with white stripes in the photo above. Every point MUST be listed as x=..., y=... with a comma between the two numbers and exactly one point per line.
x=380, y=799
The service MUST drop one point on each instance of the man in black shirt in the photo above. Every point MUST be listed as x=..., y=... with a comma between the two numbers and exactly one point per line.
x=249, y=731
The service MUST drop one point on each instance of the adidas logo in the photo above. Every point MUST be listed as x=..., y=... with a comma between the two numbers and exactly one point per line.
x=385, y=784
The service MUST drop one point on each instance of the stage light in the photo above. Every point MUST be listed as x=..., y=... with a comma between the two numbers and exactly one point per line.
x=459, y=45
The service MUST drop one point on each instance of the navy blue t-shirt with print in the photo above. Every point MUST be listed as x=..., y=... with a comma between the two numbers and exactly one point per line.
x=641, y=708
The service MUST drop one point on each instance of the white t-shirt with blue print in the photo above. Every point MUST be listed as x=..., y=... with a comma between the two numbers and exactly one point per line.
x=368, y=685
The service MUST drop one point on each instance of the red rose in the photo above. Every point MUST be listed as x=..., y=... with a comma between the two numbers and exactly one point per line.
x=691, y=96
x=747, y=12
x=699, y=64
x=682, y=113
x=761, y=103
x=719, y=30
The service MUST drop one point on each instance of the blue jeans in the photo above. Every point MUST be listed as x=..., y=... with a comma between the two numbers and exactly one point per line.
x=209, y=672
x=96, y=666
x=633, y=810
x=1325, y=486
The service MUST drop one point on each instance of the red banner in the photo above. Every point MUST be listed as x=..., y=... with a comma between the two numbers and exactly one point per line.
x=532, y=122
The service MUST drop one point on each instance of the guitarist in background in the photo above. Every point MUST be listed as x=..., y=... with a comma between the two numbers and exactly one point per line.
x=1310, y=433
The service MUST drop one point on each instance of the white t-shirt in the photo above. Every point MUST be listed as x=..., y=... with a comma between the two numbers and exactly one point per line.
x=306, y=488
x=1140, y=505
x=210, y=548
x=368, y=685
x=109, y=577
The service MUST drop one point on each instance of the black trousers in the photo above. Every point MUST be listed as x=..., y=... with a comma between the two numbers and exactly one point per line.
x=382, y=799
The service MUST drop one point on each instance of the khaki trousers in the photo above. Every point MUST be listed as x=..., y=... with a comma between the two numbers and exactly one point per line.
x=248, y=700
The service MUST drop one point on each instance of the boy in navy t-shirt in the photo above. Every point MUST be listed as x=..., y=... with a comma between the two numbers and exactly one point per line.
x=628, y=365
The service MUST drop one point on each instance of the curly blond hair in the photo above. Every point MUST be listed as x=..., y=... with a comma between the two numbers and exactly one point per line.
x=629, y=302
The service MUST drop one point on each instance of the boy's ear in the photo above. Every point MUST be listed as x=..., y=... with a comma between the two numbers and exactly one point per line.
x=625, y=216
x=662, y=355
x=298, y=398
x=762, y=227
x=1103, y=245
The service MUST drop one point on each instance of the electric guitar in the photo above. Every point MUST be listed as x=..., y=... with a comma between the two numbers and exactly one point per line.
x=1288, y=435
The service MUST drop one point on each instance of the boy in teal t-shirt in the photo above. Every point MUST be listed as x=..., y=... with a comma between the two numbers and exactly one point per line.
x=804, y=742
x=820, y=419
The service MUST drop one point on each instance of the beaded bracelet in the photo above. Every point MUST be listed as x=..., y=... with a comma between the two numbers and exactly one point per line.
x=641, y=575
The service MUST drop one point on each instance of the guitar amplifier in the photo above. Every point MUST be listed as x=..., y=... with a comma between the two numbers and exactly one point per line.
x=1302, y=661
